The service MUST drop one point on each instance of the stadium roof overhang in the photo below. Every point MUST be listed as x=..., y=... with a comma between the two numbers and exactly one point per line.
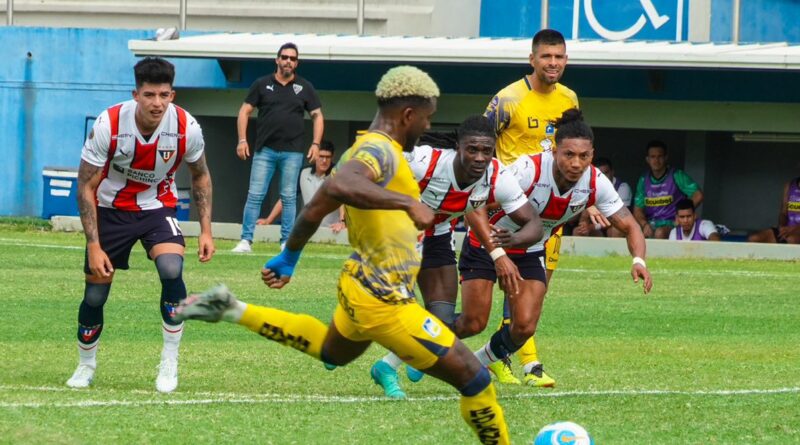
x=662, y=70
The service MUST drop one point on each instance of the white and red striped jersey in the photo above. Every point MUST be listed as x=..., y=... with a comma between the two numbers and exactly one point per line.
x=439, y=190
x=534, y=174
x=138, y=174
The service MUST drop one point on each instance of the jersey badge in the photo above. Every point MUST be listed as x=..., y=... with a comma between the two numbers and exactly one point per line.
x=433, y=328
x=166, y=155
x=475, y=203
x=297, y=88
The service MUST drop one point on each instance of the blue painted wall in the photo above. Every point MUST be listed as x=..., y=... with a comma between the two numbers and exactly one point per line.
x=50, y=80
x=762, y=20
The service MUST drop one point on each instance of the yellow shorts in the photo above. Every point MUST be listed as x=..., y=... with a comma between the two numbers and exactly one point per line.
x=552, y=248
x=406, y=329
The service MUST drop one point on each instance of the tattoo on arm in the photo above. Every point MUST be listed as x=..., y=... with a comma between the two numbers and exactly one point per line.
x=88, y=180
x=201, y=188
x=618, y=219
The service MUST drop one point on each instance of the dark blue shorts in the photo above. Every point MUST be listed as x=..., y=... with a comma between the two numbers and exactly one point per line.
x=475, y=263
x=119, y=230
x=438, y=251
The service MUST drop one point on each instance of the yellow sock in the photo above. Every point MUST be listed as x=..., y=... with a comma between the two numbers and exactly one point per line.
x=484, y=415
x=527, y=353
x=299, y=331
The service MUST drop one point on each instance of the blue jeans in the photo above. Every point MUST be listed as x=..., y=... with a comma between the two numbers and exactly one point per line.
x=265, y=162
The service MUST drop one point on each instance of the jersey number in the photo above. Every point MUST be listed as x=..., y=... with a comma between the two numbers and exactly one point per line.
x=173, y=224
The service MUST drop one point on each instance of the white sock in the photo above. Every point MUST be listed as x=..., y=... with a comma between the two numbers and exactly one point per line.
x=172, y=340
x=88, y=353
x=235, y=312
x=529, y=366
x=392, y=360
x=485, y=356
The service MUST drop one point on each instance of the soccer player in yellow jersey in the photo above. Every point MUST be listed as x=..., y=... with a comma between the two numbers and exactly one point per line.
x=376, y=287
x=523, y=114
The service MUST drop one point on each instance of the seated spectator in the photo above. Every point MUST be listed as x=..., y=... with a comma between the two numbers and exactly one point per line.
x=622, y=188
x=311, y=178
x=788, y=230
x=658, y=192
x=689, y=228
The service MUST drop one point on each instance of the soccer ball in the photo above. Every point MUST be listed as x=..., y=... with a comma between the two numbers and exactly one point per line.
x=563, y=433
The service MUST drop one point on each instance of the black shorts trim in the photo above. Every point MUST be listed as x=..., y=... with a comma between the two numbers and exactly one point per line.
x=438, y=251
x=475, y=263
x=119, y=230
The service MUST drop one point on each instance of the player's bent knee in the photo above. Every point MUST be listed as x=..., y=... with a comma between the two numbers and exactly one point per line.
x=95, y=295
x=169, y=266
x=471, y=326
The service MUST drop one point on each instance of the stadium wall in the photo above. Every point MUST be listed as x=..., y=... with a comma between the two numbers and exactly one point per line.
x=51, y=80
x=678, y=20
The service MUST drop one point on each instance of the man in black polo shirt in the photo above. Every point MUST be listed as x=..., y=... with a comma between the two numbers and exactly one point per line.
x=281, y=99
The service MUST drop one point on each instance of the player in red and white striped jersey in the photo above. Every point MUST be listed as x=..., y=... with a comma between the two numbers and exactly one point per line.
x=560, y=186
x=127, y=193
x=453, y=183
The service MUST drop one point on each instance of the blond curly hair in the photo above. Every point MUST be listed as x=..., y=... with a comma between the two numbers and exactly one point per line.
x=405, y=81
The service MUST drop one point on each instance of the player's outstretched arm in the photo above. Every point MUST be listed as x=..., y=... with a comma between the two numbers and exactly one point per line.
x=89, y=177
x=354, y=185
x=624, y=221
x=201, y=191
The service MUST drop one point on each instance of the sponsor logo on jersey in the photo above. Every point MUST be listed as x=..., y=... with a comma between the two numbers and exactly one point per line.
x=143, y=176
x=433, y=328
x=122, y=136
x=91, y=134
x=297, y=88
x=171, y=135
x=533, y=122
x=659, y=201
x=271, y=87
x=793, y=206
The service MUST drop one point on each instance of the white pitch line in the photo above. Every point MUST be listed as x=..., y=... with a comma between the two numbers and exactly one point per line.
x=210, y=398
x=328, y=256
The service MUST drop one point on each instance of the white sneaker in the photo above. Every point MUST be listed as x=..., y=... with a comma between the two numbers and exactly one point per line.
x=167, y=379
x=244, y=246
x=82, y=377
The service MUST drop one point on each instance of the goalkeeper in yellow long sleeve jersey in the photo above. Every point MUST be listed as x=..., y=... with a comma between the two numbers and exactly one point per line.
x=376, y=287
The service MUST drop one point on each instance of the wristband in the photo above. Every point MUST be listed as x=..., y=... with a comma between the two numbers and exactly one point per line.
x=242, y=140
x=315, y=143
x=497, y=253
x=639, y=261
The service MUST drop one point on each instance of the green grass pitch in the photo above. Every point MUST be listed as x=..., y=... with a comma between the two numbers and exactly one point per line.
x=711, y=356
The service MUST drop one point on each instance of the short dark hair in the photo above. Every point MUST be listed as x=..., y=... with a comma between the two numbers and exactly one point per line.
x=572, y=126
x=477, y=125
x=153, y=70
x=655, y=143
x=326, y=145
x=547, y=37
x=685, y=204
x=601, y=161
x=288, y=45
